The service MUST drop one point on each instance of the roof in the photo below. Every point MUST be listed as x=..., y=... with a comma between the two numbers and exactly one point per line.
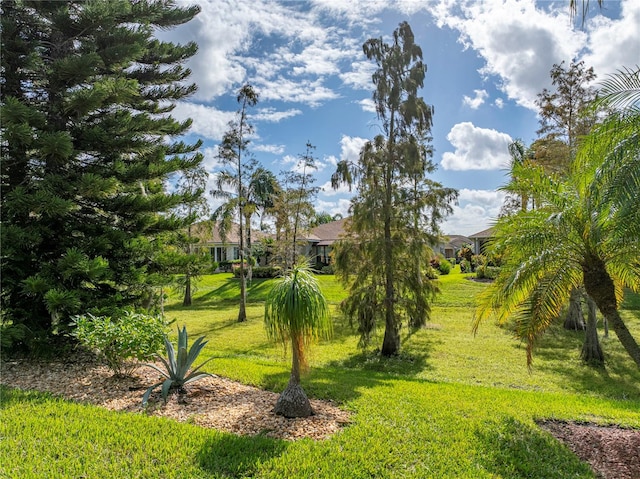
x=488, y=233
x=209, y=232
x=328, y=233
x=457, y=241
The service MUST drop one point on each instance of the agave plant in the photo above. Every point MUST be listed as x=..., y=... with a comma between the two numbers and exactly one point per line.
x=178, y=367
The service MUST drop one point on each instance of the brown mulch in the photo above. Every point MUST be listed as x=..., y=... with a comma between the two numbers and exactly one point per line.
x=226, y=405
x=212, y=402
x=612, y=452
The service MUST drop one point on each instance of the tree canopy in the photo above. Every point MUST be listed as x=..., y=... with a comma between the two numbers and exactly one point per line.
x=396, y=208
x=87, y=146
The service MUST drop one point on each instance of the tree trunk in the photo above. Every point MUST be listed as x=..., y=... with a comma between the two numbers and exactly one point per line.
x=591, y=350
x=600, y=287
x=187, y=290
x=391, y=342
x=293, y=402
x=242, y=313
x=574, y=319
x=249, y=255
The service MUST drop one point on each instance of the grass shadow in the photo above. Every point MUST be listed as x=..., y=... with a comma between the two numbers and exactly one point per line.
x=559, y=353
x=226, y=296
x=10, y=396
x=230, y=456
x=510, y=448
x=343, y=380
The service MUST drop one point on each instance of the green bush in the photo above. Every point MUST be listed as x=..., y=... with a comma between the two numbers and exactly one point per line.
x=11, y=335
x=487, y=272
x=320, y=268
x=327, y=270
x=122, y=339
x=261, y=272
x=444, y=266
x=465, y=266
x=431, y=273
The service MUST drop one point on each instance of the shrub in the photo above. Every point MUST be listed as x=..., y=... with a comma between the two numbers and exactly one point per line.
x=431, y=273
x=178, y=365
x=121, y=340
x=261, y=272
x=11, y=335
x=444, y=267
x=327, y=269
x=465, y=266
x=487, y=272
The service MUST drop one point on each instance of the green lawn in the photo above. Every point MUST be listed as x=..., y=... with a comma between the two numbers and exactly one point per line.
x=452, y=405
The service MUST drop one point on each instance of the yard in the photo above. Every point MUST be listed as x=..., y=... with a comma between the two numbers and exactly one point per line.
x=451, y=405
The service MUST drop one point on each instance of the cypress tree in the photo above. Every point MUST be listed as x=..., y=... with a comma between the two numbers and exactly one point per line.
x=87, y=147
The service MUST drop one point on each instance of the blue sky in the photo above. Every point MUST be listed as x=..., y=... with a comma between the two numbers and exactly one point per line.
x=486, y=62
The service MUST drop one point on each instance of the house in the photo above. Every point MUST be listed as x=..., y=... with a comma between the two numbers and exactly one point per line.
x=210, y=239
x=324, y=236
x=480, y=239
x=321, y=239
x=451, y=244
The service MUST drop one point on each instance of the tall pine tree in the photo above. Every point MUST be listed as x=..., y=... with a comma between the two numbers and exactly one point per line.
x=87, y=146
x=396, y=209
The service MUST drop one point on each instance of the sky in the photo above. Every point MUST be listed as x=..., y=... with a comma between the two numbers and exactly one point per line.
x=486, y=62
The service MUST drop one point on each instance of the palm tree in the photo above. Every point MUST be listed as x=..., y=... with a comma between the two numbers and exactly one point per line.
x=297, y=312
x=585, y=231
x=571, y=239
x=258, y=196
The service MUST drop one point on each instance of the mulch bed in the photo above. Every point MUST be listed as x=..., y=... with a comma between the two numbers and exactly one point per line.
x=612, y=452
x=212, y=402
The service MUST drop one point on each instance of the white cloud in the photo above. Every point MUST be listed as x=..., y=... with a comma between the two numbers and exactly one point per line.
x=614, y=44
x=328, y=190
x=207, y=121
x=275, y=149
x=272, y=115
x=488, y=198
x=499, y=103
x=311, y=92
x=211, y=161
x=300, y=54
x=360, y=12
x=360, y=75
x=476, y=148
x=368, y=105
x=477, y=210
x=475, y=102
x=340, y=206
x=519, y=42
x=350, y=147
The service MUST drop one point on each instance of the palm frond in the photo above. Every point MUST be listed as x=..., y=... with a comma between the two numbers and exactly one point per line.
x=296, y=310
x=621, y=90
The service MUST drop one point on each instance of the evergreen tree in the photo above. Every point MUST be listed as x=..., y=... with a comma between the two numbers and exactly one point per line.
x=396, y=208
x=85, y=100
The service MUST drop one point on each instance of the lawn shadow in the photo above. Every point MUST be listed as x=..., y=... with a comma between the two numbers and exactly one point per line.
x=559, y=353
x=510, y=448
x=231, y=456
x=343, y=380
x=225, y=296
x=10, y=396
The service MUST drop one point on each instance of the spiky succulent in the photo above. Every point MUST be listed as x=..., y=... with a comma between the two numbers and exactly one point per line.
x=177, y=367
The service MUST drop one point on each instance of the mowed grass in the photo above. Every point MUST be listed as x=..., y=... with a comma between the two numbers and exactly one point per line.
x=451, y=405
